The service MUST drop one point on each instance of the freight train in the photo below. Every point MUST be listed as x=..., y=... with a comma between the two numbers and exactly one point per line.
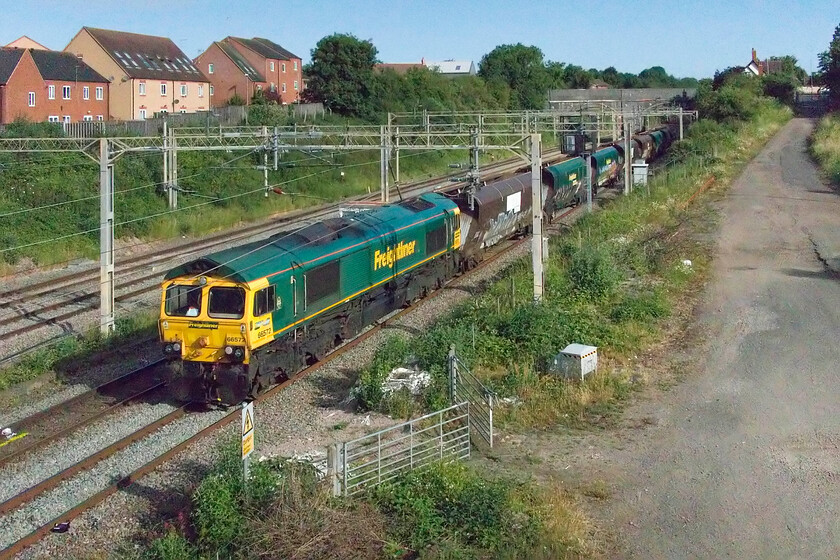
x=235, y=322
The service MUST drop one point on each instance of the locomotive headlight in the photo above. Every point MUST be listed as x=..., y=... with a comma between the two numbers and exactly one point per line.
x=238, y=353
x=176, y=347
x=167, y=349
x=228, y=350
x=202, y=280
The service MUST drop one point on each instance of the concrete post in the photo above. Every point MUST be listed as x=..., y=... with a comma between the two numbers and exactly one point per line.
x=106, y=238
x=537, y=215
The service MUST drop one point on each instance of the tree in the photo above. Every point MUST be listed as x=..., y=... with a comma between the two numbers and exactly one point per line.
x=522, y=69
x=577, y=77
x=830, y=68
x=341, y=74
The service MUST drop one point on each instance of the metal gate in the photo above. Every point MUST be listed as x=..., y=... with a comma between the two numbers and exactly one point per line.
x=386, y=454
x=464, y=386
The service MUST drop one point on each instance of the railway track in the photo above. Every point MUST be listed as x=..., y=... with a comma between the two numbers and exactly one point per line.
x=139, y=435
x=59, y=302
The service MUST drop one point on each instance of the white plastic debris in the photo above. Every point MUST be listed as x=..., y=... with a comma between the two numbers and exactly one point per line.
x=317, y=459
x=7, y=433
x=511, y=401
x=365, y=421
x=686, y=263
x=413, y=379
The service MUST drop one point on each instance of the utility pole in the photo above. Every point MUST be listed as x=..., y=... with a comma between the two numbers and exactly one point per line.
x=588, y=157
x=275, y=143
x=628, y=154
x=106, y=238
x=173, y=170
x=167, y=184
x=383, y=166
x=397, y=157
x=474, y=176
x=537, y=215
x=681, y=123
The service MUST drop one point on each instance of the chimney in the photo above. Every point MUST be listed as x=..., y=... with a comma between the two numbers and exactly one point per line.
x=423, y=61
x=754, y=57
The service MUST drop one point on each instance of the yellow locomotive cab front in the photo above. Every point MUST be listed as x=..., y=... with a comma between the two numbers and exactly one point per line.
x=204, y=329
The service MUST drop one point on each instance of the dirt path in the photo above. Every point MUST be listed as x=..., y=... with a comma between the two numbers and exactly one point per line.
x=742, y=458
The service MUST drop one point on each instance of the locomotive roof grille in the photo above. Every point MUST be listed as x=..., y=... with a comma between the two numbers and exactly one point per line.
x=417, y=204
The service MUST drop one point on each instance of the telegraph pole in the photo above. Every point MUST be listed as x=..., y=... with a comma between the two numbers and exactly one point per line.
x=628, y=154
x=106, y=238
x=167, y=184
x=537, y=215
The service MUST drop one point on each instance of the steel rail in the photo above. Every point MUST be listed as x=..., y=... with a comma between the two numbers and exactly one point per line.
x=34, y=425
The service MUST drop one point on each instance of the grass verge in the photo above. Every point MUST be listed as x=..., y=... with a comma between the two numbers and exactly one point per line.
x=825, y=146
x=446, y=511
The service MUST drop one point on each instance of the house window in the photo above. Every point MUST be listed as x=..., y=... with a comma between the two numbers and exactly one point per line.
x=65, y=92
x=31, y=98
x=283, y=67
x=87, y=118
x=142, y=114
x=271, y=65
x=163, y=89
x=273, y=87
x=211, y=90
x=295, y=63
x=51, y=93
x=201, y=91
x=100, y=118
x=141, y=88
x=183, y=90
x=53, y=118
x=100, y=93
x=296, y=85
x=209, y=68
x=283, y=87
x=67, y=118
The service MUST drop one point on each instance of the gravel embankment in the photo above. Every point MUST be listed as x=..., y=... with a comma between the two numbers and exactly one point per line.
x=304, y=418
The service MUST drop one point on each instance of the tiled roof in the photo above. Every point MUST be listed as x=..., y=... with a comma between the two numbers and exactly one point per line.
x=9, y=59
x=147, y=56
x=265, y=48
x=241, y=63
x=57, y=65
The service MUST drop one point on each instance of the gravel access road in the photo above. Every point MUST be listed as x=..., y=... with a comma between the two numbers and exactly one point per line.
x=742, y=458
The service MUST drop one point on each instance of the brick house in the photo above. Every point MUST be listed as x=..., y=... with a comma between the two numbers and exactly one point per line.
x=53, y=86
x=241, y=66
x=148, y=74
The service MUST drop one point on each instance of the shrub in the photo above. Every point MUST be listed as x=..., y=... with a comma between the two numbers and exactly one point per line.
x=172, y=546
x=393, y=353
x=593, y=272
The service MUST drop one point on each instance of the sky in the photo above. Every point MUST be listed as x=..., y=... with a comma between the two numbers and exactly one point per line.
x=688, y=38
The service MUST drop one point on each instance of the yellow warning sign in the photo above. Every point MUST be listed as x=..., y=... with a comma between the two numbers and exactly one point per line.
x=247, y=444
x=248, y=423
x=247, y=429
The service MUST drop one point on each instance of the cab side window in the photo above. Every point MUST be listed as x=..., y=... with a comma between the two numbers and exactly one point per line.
x=264, y=301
